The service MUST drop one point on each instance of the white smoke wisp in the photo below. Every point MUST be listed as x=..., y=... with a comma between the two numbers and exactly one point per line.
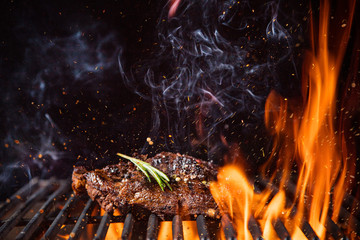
x=54, y=67
x=214, y=59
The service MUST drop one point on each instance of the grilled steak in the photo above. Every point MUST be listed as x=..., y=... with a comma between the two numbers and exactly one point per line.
x=124, y=187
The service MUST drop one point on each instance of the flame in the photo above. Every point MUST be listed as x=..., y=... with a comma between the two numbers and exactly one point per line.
x=165, y=231
x=190, y=230
x=65, y=236
x=233, y=194
x=322, y=167
x=115, y=229
x=306, y=142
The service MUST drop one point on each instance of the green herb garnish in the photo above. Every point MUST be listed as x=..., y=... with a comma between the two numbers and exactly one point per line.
x=146, y=168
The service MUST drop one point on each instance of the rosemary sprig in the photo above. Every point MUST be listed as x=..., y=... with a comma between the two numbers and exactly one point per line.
x=146, y=168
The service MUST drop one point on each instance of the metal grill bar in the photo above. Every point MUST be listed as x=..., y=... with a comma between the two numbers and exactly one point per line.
x=19, y=196
x=69, y=220
x=228, y=228
x=152, y=227
x=309, y=231
x=349, y=219
x=42, y=218
x=35, y=222
x=281, y=229
x=177, y=228
x=332, y=227
x=103, y=227
x=60, y=219
x=334, y=230
x=82, y=220
x=128, y=226
x=16, y=216
x=202, y=229
x=254, y=229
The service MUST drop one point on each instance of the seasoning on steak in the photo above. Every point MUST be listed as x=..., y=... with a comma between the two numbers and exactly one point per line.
x=124, y=187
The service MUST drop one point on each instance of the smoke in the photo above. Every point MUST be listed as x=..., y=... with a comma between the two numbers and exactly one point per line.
x=38, y=97
x=18, y=169
x=213, y=63
x=81, y=58
x=205, y=75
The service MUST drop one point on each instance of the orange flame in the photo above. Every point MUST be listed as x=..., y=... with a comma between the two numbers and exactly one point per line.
x=115, y=229
x=306, y=142
x=190, y=230
x=323, y=168
x=66, y=236
x=165, y=231
x=235, y=196
x=236, y=203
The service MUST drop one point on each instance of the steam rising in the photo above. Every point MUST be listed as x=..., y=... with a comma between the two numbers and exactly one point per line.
x=211, y=61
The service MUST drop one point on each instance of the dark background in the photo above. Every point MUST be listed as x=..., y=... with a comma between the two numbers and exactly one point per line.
x=92, y=116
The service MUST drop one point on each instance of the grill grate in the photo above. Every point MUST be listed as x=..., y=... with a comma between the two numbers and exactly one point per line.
x=103, y=227
x=58, y=205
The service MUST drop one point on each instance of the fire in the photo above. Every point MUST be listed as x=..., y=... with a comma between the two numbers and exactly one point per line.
x=307, y=142
x=190, y=230
x=234, y=194
x=114, y=231
x=165, y=229
x=66, y=236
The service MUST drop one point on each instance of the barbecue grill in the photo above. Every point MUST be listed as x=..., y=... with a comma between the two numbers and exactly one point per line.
x=47, y=209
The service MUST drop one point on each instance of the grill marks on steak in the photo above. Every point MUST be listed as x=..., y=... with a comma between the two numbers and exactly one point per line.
x=125, y=187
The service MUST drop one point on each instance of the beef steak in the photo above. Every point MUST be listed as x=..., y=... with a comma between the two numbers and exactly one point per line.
x=124, y=187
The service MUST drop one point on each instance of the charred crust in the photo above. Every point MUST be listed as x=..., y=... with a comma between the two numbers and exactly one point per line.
x=123, y=187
